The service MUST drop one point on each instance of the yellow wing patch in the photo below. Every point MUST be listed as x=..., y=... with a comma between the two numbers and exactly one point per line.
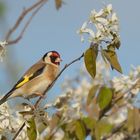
x=25, y=80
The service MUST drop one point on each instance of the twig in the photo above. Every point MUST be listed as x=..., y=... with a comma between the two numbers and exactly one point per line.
x=17, y=133
x=39, y=100
x=66, y=66
x=20, y=19
x=10, y=42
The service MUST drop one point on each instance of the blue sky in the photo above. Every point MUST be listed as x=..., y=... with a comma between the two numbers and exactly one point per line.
x=56, y=30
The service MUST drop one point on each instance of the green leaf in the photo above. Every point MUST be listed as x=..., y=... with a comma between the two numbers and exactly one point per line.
x=136, y=115
x=103, y=56
x=111, y=48
x=104, y=97
x=66, y=137
x=71, y=127
x=111, y=56
x=103, y=128
x=92, y=93
x=31, y=129
x=94, y=46
x=58, y=4
x=41, y=126
x=117, y=43
x=69, y=130
x=80, y=130
x=89, y=122
x=133, y=121
x=130, y=121
x=90, y=61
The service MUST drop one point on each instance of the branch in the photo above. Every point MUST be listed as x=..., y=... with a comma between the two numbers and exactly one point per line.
x=39, y=100
x=66, y=66
x=25, y=26
x=20, y=19
x=17, y=133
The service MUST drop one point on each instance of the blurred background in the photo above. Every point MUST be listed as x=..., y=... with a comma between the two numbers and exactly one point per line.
x=53, y=29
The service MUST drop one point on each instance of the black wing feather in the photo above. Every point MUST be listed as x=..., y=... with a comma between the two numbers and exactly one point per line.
x=38, y=72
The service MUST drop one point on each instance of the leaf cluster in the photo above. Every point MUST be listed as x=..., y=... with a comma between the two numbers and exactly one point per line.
x=108, y=55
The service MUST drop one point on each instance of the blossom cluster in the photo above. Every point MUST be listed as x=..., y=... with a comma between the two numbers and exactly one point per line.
x=10, y=121
x=72, y=102
x=128, y=83
x=100, y=25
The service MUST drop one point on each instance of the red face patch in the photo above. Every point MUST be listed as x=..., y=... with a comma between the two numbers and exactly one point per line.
x=55, y=54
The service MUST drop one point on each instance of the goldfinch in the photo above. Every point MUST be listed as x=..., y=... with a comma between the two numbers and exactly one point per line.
x=36, y=80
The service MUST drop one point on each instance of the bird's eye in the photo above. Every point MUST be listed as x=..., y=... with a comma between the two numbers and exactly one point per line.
x=53, y=58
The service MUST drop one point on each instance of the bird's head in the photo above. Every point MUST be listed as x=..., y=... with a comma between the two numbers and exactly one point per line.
x=52, y=57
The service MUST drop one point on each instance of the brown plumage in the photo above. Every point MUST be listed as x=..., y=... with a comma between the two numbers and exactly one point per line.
x=37, y=78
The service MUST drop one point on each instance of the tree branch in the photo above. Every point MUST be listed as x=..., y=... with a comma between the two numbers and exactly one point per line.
x=66, y=66
x=39, y=4
x=40, y=98
x=17, y=133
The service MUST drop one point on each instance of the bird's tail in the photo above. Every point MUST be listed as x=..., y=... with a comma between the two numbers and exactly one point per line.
x=5, y=98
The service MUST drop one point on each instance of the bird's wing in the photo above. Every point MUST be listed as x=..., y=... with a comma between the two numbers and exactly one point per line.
x=32, y=73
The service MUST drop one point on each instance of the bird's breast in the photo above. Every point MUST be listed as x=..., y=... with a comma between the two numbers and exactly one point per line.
x=51, y=72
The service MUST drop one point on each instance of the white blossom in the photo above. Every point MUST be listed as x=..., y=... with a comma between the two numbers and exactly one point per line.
x=10, y=122
x=59, y=135
x=114, y=18
x=3, y=43
x=119, y=116
x=109, y=9
x=84, y=29
x=128, y=83
x=100, y=25
x=118, y=136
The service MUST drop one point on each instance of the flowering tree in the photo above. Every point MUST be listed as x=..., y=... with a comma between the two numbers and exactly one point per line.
x=92, y=104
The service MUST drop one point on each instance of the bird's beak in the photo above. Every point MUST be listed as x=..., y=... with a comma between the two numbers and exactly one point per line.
x=58, y=60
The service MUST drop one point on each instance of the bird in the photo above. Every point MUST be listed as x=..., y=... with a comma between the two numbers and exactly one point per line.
x=37, y=78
